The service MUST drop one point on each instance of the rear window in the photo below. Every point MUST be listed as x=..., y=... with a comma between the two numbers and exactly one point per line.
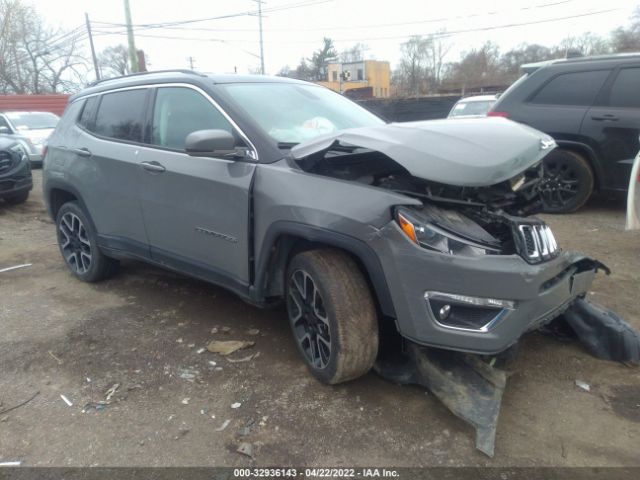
x=33, y=120
x=121, y=115
x=578, y=88
x=471, y=108
x=88, y=113
x=625, y=91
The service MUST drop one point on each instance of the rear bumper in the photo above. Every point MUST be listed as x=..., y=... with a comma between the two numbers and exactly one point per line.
x=534, y=294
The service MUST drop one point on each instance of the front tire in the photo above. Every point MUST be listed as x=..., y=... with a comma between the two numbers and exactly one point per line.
x=78, y=245
x=568, y=182
x=332, y=315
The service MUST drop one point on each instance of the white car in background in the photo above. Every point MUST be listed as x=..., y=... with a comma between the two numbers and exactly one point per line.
x=473, y=107
x=633, y=197
x=30, y=129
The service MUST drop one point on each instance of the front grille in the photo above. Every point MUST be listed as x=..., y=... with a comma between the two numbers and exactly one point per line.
x=537, y=242
x=6, y=162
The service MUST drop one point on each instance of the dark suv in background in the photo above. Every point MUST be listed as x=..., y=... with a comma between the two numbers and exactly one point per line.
x=591, y=107
x=15, y=172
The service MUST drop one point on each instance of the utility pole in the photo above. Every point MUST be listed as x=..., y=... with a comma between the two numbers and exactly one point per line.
x=93, y=50
x=133, y=56
x=191, y=62
x=259, y=2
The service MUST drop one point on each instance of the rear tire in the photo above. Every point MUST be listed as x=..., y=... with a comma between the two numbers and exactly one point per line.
x=17, y=199
x=568, y=182
x=332, y=315
x=78, y=243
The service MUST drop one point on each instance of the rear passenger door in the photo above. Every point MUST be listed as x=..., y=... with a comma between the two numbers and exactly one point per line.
x=560, y=104
x=104, y=152
x=614, y=124
x=196, y=209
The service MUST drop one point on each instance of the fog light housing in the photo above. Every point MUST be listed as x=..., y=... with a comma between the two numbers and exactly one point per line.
x=444, y=312
x=463, y=312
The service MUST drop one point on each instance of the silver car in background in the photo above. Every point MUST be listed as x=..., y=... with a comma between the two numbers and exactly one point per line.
x=30, y=129
x=473, y=107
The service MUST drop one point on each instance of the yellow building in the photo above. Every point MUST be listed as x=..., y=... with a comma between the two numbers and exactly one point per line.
x=364, y=73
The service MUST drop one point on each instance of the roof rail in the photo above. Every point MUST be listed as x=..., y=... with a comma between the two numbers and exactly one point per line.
x=532, y=67
x=173, y=70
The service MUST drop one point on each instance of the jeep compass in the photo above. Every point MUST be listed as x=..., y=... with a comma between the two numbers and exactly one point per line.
x=282, y=190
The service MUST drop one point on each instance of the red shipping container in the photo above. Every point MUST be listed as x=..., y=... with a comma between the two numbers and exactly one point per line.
x=34, y=103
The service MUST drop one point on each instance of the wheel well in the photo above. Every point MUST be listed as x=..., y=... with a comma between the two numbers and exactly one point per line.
x=287, y=246
x=57, y=198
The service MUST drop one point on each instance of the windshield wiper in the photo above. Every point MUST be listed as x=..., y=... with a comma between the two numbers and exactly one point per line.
x=288, y=145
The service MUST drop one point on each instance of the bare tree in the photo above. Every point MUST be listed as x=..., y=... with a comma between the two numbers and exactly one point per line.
x=35, y=58
x=354, y=53
x=627, y=39
x=586, y=44
x=477, y=67
x=410, y=77
x=114, y=61
x=438, y=48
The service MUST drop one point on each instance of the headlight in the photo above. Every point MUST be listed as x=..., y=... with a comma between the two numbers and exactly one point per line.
x=424, y=232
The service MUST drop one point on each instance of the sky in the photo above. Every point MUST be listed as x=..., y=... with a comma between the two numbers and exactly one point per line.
x=292, y=29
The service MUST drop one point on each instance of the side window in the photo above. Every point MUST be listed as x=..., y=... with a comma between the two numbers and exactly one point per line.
x=89, y=113
x=179, y=111
x=69, y=118
x=626, y=88
x=579, y=88
x=121, y=115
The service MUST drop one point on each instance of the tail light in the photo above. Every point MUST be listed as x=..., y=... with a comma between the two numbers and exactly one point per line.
x=45, y=147
x=494, y=113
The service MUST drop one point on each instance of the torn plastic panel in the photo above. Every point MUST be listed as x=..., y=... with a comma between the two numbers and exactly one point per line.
x=469, y=387
x=601, y=331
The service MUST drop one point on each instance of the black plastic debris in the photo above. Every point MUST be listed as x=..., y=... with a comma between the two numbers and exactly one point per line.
x=468, y=386
x=602, y=332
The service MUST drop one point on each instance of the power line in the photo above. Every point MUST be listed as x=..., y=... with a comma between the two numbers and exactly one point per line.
x=288, y=6
x=380, y=25
x=395, y=37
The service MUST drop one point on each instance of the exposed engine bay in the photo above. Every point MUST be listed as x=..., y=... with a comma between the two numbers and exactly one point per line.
x=489, y=218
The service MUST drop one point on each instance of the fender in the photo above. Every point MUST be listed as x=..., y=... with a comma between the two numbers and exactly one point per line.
x=60, y=184
x=363, y=252
x=591, y=155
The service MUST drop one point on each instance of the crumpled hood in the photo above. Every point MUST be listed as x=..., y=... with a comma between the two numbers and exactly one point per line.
x=463, y=152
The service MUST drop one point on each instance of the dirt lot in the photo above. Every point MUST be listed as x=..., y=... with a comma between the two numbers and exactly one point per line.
x=143, y=328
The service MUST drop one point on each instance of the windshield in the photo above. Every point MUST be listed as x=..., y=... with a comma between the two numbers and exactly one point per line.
x=471, y=108
x=33, y=121
x=292, y=113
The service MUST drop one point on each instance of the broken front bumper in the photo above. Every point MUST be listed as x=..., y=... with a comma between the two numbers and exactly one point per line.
x=475, y=304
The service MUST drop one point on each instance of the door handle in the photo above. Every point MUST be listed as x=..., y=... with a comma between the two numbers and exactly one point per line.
x=82, y=152
x=607, y=117
x=153, y=167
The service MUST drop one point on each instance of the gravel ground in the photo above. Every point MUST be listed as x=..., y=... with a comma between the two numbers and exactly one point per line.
x=143, y=328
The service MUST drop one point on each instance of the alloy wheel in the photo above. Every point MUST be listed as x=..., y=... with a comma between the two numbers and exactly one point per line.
x=560, y=183
x=74, y=243
x=309, y=319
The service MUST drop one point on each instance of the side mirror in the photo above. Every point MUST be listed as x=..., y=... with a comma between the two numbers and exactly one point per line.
x=4, y=130
x=210, y=143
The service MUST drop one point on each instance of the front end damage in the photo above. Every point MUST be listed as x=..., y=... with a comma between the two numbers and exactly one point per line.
x=469, y=269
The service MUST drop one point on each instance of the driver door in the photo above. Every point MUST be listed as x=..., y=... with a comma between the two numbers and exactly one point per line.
x=196, y=209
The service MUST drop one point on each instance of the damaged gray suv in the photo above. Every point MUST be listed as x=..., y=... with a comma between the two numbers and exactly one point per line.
x=279, y=189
